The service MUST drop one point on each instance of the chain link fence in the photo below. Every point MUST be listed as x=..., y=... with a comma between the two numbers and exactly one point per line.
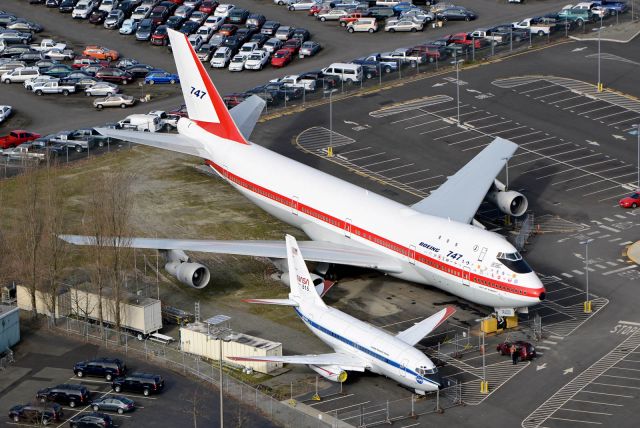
x=168, y=355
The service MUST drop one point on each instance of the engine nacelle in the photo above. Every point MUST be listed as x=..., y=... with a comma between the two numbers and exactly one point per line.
x=192, y=274
x=509, y=201
x=333, y=373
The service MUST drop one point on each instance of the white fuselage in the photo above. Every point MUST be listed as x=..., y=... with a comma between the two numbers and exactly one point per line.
x=385, y=354
x=455, y=257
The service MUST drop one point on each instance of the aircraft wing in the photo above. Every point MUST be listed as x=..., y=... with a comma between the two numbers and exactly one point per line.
x=247, y=113
x=317, y=251
x=459, y=197
x=415, y=334
x=344, y=361
x=172, y=142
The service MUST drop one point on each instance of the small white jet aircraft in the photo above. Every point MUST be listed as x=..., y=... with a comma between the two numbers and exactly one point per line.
x=358, y=346
x=431, y=242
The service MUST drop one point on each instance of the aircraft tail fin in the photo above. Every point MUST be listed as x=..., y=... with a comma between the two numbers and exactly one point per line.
x=204, y=104
x=302, y=288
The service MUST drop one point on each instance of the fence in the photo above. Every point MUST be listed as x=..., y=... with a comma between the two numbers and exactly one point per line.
x=187, y=364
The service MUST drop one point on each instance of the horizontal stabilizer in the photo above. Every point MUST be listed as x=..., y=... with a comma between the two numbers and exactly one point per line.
x=415, y=334
x=344, y=361
x=247, y=113
x=172, y=142
x=281, y=302
x=317, y=251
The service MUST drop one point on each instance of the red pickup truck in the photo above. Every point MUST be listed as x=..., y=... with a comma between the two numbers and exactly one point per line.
x=467, y=39
x=17, y=137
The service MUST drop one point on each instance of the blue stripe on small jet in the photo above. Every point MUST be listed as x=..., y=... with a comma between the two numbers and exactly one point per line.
x=360, y=347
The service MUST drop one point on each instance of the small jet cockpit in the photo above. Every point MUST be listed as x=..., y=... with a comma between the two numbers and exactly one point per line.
x=514, y=262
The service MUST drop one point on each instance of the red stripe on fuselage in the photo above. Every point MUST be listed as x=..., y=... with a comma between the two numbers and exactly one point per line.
x=376, y=239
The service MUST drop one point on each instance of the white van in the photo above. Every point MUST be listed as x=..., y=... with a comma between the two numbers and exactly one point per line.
x=20, y=75
x=346, y=72
x=141, y=122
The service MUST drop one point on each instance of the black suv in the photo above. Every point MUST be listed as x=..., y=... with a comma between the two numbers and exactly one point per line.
x=35, y=414
x=108, y=368
x=65, y=394
x=91, y=420
x=139, y=382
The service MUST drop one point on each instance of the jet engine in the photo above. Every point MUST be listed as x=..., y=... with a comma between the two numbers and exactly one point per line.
x=333, y=373
x=508, y=201
x=192, y=274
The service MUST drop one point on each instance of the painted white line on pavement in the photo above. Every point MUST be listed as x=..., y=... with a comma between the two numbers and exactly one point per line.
x=618, y=270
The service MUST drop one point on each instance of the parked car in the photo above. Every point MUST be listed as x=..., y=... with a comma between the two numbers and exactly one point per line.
x=161, y=77
x=237, y=62
x=115, y=75
x=20, y=75
x=102, y=89
x=198, y=17
x=60, y=70
x=214, y=22
x=272, y=45
x=370, y=25
x=332, y=15
x=205, y=32
x=141, y=12
x=189, y=27
x=238, y=16
x=97, y=420
x=114, y=20
x=100, y=52
x=113, y=403
x=100, y=367
x=224, y=10
x=159, y=14
x=403, y=24
x=144, y=383
x=228, y=29
x=36, y=414
x=284, y=33
x=456, y=14
x=221, y=57
x=256, y=21
x=293, y=45
x=302, y=4
x=281, y=58
x=28, y=84
x=83, y=9
x=108, y=5
x=631, y=201
x=60, y=54
x=270, y=27
x=257, y=60
x=309, y=48
x=525, y=350
x=208, y=6
x=121, y=101
x=160, y=37
x=140, y=70
x=71, y=395
x=98, y=17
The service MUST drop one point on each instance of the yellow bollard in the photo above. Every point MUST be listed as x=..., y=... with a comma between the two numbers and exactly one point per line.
x=587, y=307
x=315, y=397
x=330, y=152
x=600, y=87
x=484, y=387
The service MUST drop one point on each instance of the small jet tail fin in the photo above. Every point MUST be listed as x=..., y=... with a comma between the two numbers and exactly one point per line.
x=279, y=302
x=302, y=288
x=204, y=105
x=417, y=332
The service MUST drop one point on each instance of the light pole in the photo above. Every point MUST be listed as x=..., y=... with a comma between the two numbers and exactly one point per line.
x=221, y=340
x=330, y=149
x=638, y=134
x=599, y=30
x=587, y=303
x=457, y=62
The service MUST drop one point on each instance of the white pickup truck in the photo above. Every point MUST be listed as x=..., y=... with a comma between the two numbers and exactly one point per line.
x=487, y=34
x=533, y=26
x=404, y=56
x=295, y=81
x=48, y=44
x=23, y=151
x=53, y=88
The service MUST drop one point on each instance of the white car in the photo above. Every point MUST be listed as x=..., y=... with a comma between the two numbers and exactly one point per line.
x=224, y=10
x=5, y=112
x=140, y=13
x=214, y=22
x=20, y=75
x=283, y=2
x=257, y=60
x=196, y=41
x=205, y=32
x=129, y=26
x=403, y=24
x=237, y=63
x=102, y=89
x=221, y=57
x=303, y=4
x=83, y=9
x=60, y=54
x=248, y=48
x=332, y=15
x=369, y=25
x=108, y=5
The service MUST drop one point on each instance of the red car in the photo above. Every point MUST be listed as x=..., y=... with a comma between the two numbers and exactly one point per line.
x=160, y=36
x=17, y=137
x=228, y=30
x=466, y=39
x=631, y=201
x=525, y=350
x=292, y=45
x=316, y=8
x=281, y=58
x=208, y=6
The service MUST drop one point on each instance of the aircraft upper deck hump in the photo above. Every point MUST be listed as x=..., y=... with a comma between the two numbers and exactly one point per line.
x=204, y=105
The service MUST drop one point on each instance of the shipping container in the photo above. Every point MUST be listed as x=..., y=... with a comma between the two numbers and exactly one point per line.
x=43, y=302
x=200, y=339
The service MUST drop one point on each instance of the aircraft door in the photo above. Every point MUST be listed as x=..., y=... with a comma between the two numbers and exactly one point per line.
x=294, y=205
x=412, y=254
x=347, y=227
x=483, y=253
x=466, y=274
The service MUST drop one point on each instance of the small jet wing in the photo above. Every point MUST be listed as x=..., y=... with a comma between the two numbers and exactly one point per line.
x=317, y=251
x=247, y=113
x=344, y=361
x=459, y=197
x=415, y=334
x=171, y=142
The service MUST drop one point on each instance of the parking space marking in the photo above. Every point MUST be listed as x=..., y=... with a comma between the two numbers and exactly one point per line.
x=395, y=167
x=596, y=402
x=331, y=399
x=581, y=104
x=482, y=118
x=552, y=94
x=575, y=420
x=596, y=109
x=378, y=163
x=539, y=89
x=422, y=124
x=612, y=114
x=354, y=150
x=409, y=173
x=434, y=130
x=586, y=411
x=368, y=156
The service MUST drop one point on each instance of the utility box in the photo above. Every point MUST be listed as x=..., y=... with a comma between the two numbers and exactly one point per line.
x=489, y=325
x=197, y=339
x=512, y=322
x=9, y=327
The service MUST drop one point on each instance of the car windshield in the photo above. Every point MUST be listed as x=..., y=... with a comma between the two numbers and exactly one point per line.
x=219, y=55
x=635, y=195
x=280, y=54
x=254, y=57
x=514, y=262
x=238, y=59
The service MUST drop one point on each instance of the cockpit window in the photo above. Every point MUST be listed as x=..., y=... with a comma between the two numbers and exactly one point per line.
x=514, y=262
x=424, y=371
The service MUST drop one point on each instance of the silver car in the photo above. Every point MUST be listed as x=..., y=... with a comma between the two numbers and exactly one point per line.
x=122, y=101
x=102, y=89
x=403, y=24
